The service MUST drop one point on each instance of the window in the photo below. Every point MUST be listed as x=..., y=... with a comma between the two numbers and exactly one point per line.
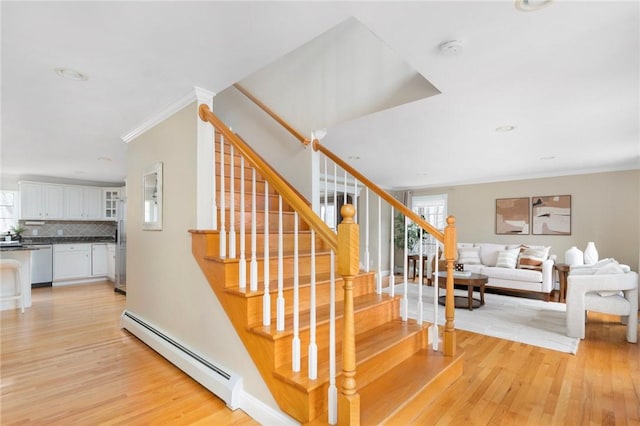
x=434, y=210
x=8, y=210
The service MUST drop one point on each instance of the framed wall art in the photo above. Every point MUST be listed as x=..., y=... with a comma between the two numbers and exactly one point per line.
x=551, y=215
x=512, y=216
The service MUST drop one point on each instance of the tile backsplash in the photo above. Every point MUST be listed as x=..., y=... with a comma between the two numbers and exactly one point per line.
x=70, y=229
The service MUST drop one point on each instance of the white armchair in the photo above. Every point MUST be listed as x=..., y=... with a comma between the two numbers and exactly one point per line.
x=615, y=294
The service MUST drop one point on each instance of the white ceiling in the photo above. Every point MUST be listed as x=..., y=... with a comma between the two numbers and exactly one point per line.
x=566, y=76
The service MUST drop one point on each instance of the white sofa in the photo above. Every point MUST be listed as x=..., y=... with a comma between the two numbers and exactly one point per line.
x=518, y=278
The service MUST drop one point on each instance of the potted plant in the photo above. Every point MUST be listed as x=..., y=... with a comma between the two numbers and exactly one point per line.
x=413, y=233
x=17, y=231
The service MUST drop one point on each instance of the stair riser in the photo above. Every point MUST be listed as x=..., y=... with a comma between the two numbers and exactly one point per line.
x=374, y=367
x=248, y=185
x=231, y=268
x=288, y=221
x=304, y=243
x=248, y=203
x=368, y=370
x=365, y=319
x=362, y=285
x=236, y=169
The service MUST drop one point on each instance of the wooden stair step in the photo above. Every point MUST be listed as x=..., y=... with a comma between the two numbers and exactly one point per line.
x=425, y=375
x=248, y=203
x=288, y=220
x=288, y=241
x=360, y=304
x=363, y=284
x=371, y=348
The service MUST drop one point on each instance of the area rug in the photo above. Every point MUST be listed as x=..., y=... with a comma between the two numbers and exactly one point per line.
x=518, y=319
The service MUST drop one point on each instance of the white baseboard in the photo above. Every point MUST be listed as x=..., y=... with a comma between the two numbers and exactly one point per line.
x=264, y=414
x=78, y=281
x=224, y=383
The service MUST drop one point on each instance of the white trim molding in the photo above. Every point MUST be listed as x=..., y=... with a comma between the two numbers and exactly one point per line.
x=167, y=112
x=205, y=179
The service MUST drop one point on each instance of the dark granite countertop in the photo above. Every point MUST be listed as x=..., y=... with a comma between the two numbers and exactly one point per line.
x=19, y=248
x=67, y=240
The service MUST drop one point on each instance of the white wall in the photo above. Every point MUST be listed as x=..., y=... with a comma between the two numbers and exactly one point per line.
x=605, y=209
x=268, y=138
x=165, y=285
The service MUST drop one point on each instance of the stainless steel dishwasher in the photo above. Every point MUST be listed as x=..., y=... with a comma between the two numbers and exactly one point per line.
x=42, y=266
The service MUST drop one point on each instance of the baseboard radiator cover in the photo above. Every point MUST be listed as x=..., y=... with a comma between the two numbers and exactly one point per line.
x=220, y=381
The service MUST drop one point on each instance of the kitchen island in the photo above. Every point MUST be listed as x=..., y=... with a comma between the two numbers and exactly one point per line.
x=23, y=255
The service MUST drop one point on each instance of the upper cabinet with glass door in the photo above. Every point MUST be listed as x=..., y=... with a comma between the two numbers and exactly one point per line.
x=110, y=198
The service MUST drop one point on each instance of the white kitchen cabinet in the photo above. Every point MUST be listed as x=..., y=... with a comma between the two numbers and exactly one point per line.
x=71, y=261
x=99, y=265
x=110, y=198
x=41, y=201
x=111, y=262
x=82, y=203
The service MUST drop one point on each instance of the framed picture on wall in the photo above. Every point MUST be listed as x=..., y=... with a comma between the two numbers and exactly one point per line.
x=512, y=216
x=551, y=215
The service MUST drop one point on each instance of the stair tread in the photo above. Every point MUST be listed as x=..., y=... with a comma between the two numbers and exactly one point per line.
x=273, y=254
x=425, y=366
x=368, y=344
x=360, y=303
x=287, y=284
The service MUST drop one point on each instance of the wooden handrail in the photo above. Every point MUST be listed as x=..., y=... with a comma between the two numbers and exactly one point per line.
x=439, y=235
x=273, y=115
x=274, y=179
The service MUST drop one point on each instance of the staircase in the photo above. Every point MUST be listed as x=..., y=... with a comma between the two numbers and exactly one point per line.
x=397, y=375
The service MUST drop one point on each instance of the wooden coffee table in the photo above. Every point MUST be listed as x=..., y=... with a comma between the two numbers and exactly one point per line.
x=471, y=281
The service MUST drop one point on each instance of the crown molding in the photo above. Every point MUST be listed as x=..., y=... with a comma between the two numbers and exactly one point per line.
x=197, y=94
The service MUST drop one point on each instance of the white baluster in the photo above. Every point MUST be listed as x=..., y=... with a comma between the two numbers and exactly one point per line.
x=266, y=299
x=326, y=190
x=313, y=348
x=335, y=196
x=345, y=194
x=214, y=185
x=295, y=348
x=253, y=264
x=232, y=206
x=223, y=231
x=420, y=272
x=333, y=390
x=436, y=294
x=366, y=229
x=354, y=199
x=280, y=299
x=242, y=263
x=404, y=303
x=379, y=263
x=392, y=283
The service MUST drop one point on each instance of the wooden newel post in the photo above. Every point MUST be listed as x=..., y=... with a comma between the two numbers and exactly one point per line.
x=348, y=267
x=450, y=251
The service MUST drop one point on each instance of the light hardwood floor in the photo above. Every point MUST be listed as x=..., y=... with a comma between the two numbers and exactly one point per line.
x=66, y=361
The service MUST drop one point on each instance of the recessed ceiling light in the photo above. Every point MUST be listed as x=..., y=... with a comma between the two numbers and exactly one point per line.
x=550, y=157
x=71, y=74
x=105, y=158
x=504, y=129
x=532, y=5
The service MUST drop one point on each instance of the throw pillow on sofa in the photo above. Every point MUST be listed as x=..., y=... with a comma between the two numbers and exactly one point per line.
x=489, y=253
x=508, y=258
x=469, y=255
x=532, y=258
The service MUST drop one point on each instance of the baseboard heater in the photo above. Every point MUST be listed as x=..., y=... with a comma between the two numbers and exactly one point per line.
x=223, y=383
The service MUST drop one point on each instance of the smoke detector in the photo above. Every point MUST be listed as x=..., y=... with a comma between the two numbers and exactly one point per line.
x=450, y=48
